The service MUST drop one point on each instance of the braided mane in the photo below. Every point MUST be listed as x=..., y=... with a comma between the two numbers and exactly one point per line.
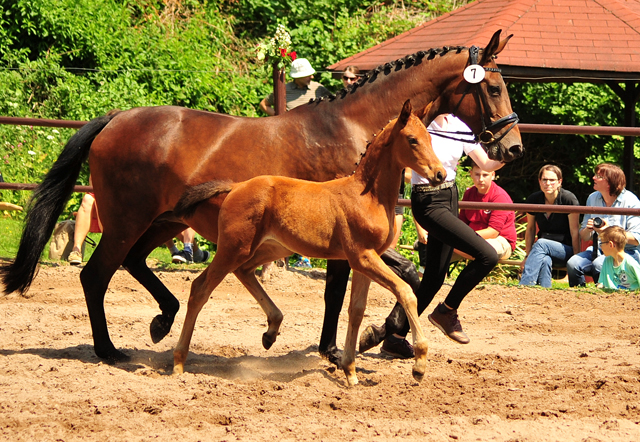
x=408, y=61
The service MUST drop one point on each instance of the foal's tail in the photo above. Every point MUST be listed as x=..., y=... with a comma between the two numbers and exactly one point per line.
x=46, y=205
x=188, y=203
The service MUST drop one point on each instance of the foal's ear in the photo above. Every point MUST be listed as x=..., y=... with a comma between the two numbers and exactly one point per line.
x=494, y=47
x=405, y=114
x=424, y=112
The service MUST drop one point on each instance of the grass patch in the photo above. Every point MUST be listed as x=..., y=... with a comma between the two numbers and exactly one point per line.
x=10, y=232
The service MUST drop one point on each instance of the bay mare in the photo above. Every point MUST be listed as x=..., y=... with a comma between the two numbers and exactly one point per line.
x=352, y=218
x=143, y=159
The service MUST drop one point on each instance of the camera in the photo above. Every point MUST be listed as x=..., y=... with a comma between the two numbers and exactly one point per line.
x=597, y=222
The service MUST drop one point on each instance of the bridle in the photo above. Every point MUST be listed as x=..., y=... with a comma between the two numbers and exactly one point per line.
x=487, y=135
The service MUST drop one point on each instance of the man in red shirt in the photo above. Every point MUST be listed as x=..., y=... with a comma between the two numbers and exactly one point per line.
x=496, y=226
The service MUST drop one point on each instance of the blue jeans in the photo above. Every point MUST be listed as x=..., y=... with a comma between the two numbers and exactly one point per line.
x=542, y=256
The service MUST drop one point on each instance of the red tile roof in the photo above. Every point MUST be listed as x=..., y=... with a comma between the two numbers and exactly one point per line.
x=595, y=39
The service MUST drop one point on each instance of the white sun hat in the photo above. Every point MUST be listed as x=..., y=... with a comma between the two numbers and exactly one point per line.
x=301, y=68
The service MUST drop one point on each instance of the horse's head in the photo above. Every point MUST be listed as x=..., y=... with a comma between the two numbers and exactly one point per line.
x=415, y=150
x=480, y=99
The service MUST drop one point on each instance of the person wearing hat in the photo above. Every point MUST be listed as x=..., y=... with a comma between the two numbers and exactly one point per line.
x=300, y=90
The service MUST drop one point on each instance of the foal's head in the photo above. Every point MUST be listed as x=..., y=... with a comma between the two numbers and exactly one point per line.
x=412, y=144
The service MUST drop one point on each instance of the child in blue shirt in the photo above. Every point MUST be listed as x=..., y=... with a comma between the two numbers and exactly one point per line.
x=619, y=270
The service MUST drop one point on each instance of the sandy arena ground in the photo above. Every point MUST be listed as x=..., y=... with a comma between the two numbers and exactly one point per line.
x=541, y=366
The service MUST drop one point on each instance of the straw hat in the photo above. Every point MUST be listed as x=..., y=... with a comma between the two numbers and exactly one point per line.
x=301, y=68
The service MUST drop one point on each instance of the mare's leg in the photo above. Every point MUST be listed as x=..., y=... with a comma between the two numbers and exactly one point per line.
x=135, y=263
x=95, y=277
x=336, y=286
x=359, y=291
x=371, y=265
x=201, y=288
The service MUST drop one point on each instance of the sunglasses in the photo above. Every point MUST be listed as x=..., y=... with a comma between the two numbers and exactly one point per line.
x=345, y=78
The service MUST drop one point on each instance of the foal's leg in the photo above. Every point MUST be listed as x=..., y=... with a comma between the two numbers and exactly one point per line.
x=335, y=289
x=201, y=288
x=359, y=291
x=247, y=277
x=370, y=264
x=267, y=252
x=135, y=263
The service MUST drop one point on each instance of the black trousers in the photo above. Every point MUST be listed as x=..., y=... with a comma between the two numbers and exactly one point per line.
x=437, y=213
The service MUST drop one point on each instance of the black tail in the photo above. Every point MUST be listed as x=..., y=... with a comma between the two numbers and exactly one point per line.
x=46, y=205
x=188, y=203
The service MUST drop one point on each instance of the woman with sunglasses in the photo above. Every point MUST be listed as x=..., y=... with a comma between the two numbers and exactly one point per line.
x=350, y=75
x=609, y=184
x=558, y=237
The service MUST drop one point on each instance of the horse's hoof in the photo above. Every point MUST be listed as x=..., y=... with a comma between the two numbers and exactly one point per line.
x=352, y=381
x=267, y=341
x=160, y=327
x=113, y=356
x=333, y=355
x=417, y=375
x=178, y=369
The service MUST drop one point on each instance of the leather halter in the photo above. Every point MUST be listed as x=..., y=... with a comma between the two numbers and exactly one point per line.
x=487, y=135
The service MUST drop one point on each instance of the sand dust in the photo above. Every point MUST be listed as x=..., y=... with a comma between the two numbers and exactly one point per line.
x=541, y=366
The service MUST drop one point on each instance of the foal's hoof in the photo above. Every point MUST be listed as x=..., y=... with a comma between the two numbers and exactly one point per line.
x=267, y=341
x=417, y=375
x=160, y=327
x=113, y=356
x=333, y=355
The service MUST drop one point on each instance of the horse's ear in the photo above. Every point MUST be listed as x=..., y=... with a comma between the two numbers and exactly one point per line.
x=494, y=47
x=405, y=114
x=425, y=111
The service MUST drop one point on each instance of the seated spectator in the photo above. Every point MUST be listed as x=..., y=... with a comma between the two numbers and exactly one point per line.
x=619, y=270
x=191, y=252
x=87, y=220
x=609, y=184
x=558, y=237
x=497, y=227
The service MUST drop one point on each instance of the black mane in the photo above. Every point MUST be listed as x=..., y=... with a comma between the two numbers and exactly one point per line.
x=371, y=75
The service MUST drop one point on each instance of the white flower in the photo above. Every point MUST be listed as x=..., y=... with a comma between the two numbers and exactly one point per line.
x=55, y=131
x=31, y=152
x=50, y=137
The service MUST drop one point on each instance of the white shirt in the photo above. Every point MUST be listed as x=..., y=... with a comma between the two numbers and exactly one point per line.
x=448, y=151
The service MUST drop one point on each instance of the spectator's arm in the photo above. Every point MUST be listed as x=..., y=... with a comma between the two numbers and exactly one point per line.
x=530, y=233
x=574, y=228
x=267, y=108
x=422, y=234
x=529, y=237
x=488, y=233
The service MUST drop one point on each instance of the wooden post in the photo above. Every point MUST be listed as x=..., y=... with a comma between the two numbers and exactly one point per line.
x=279, y=91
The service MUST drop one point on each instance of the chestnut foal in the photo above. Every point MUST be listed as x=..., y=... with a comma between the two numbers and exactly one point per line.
x=270, y=217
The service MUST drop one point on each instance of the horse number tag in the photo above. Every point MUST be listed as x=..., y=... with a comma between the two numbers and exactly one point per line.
x=474, y=73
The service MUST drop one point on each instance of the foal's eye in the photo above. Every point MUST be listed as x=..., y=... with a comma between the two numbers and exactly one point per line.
x=413, y=141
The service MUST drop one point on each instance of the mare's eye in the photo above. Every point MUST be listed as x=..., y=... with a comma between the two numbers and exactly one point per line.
x=413, y=141
x=494, y=90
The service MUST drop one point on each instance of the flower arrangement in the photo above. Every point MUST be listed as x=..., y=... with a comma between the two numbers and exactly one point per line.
x=276, y=49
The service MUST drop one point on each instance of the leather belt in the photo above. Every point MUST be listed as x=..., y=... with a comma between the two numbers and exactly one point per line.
x=426, y=188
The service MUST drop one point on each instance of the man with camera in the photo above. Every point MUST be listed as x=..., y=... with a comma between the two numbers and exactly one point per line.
x=609, y=185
